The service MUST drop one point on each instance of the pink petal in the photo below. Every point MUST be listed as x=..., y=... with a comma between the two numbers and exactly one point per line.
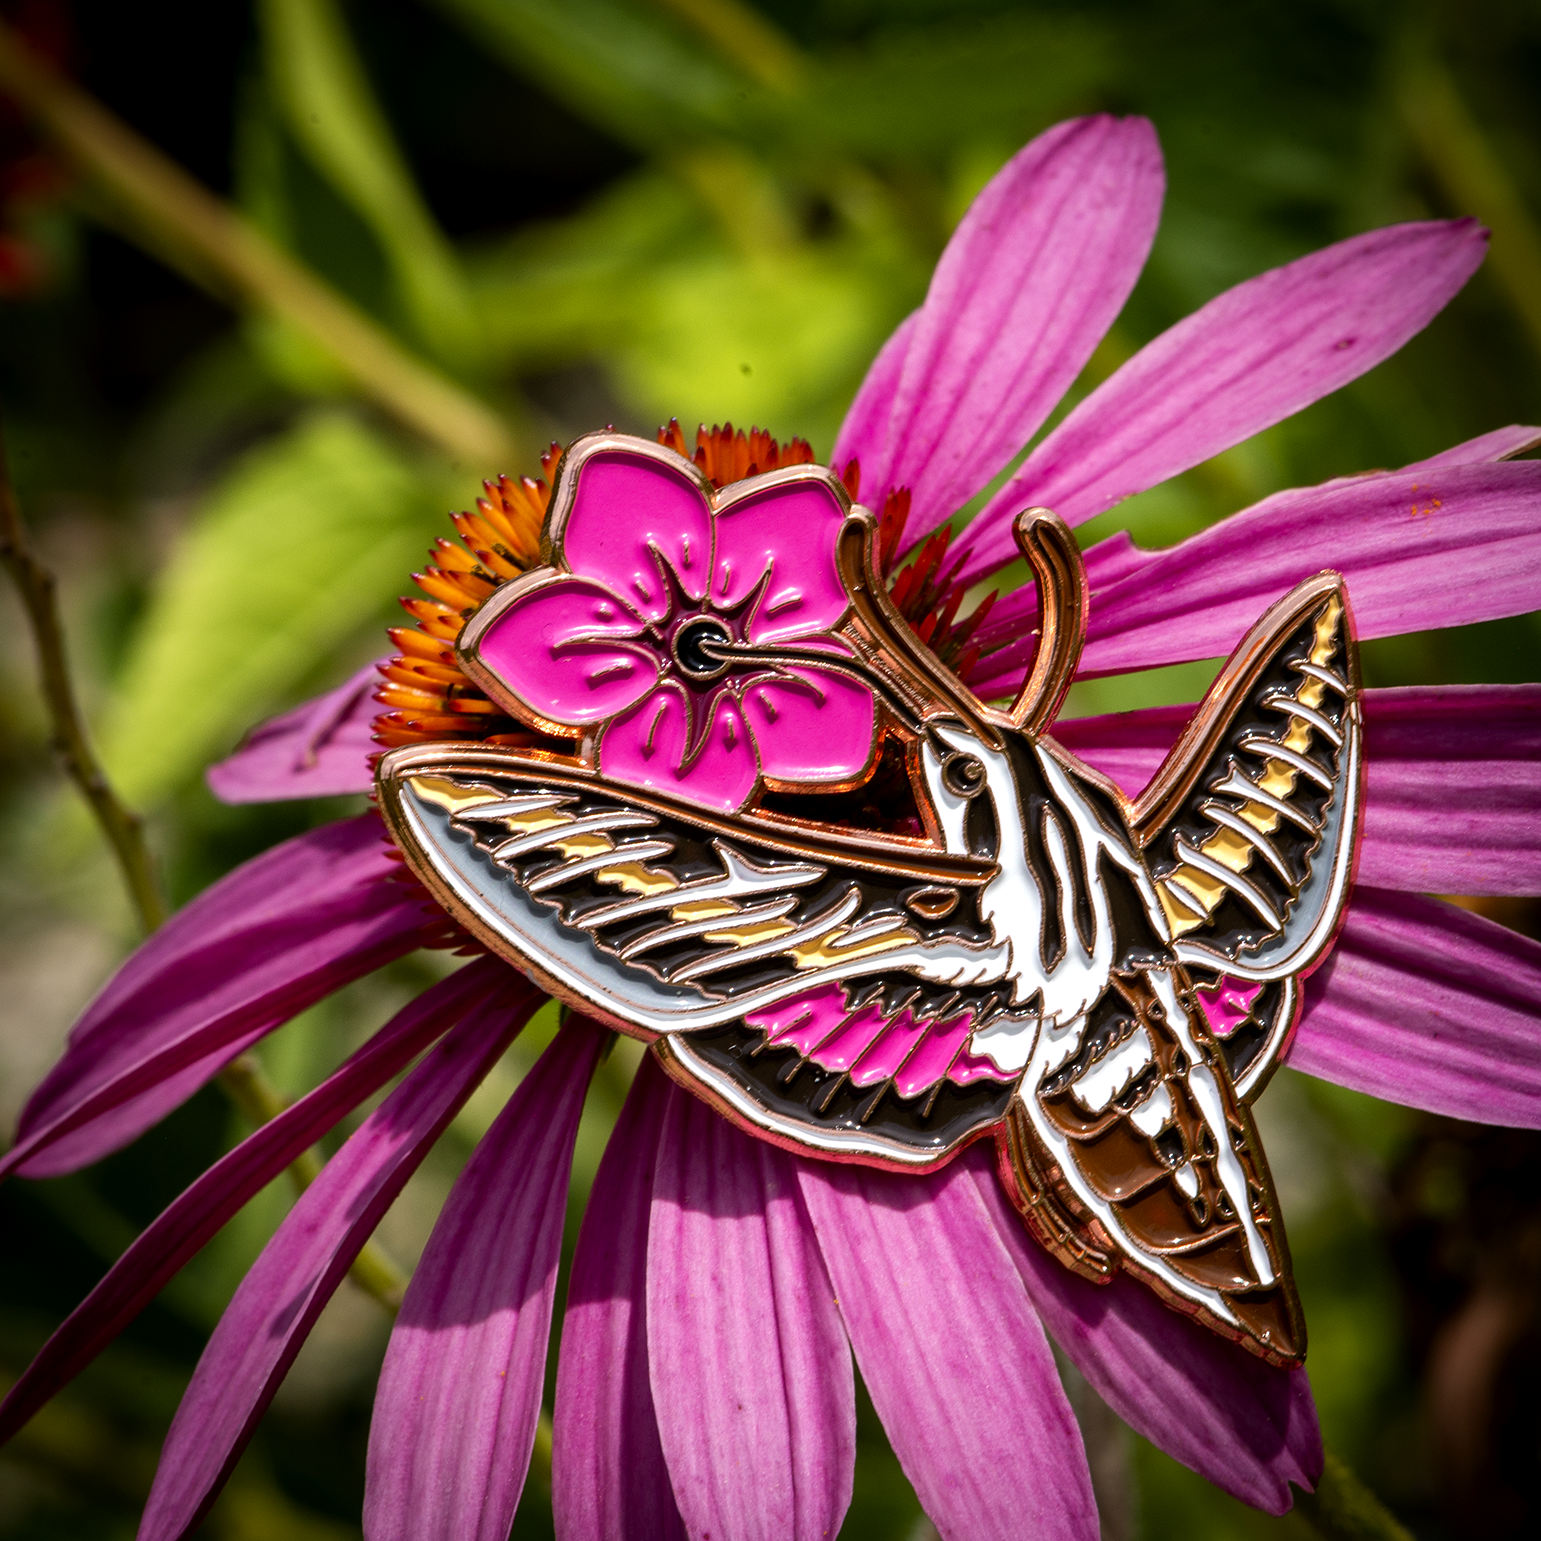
x=255, y=949
x=566, y=650
x=1453, y=789
x=279, y=1300
x=1433, y=549
x=863, y=435
x=952, y=1352
x=631, y=512
x=320, y=749
x=1441, y=548
x=1452, y=781
x=1500, y=444
x=1426, y=1004
x=459, y=1394
x=646, y=746
x=1012, y=624
x=608, y=1477
x=1250, y=358
x=1032, y=278
x=750, y=1369
x=1249, y=1428
x=193, y=1219
x=785, y=538
x=811, y=724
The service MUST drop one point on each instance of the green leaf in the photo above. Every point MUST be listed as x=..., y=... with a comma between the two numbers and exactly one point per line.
x=925, y=91
x=571, y=287
x=780, y=340
x=308, y=537
x=629, y=72
x=320, y=85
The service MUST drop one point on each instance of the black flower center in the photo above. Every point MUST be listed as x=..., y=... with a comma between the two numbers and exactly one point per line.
x=690, y=653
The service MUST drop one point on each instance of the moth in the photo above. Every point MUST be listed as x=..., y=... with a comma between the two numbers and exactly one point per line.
x=971, y=934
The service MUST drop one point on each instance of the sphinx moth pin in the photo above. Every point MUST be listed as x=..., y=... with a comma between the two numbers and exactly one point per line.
x=693, y=849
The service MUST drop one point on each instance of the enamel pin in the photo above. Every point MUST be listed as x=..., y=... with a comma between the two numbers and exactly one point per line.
x=871, y=918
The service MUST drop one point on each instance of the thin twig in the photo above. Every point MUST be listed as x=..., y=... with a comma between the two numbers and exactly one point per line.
x=40, y=595
x=1343, y=1509
x=215, y=247
x=243, y=1080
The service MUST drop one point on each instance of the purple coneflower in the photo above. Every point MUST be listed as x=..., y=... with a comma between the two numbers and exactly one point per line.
x=721, y=1285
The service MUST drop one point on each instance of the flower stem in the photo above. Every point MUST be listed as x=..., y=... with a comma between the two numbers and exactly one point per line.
x=39, y=592
x=214, y=246
x=1343, y=1509
x=246, y=1084
x=1472, y=177
x=745, y=37
x=243, y=1080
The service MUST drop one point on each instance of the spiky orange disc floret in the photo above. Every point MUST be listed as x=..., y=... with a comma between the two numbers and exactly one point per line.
x=429, y=698
x=726, y=457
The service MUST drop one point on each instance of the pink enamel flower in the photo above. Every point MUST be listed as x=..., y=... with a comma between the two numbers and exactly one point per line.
x=722, y=1289
x=653, y=582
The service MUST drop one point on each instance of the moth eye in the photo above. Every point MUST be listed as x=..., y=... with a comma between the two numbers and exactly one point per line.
x=933, y=903
x=963, y=775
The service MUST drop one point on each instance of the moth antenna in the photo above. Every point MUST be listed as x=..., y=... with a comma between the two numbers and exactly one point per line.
x=917, y=670
x=1051, y=551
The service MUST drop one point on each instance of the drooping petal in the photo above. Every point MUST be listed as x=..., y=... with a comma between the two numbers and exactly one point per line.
x=191, y=1220
x=1453, y=789
x=1426, y=1004
x=1248, y=1427
x=1419, y=551
x=647, y=746
x=1452, y=782
x=811, y=724
x=783, y=537
x=863, y=436
x=1248, y=359
x=609, y=1481
x=1032, y=278
x=1433, y=549
x=320, y=749
x=459, y=1395
x=569, y=651
x=280, y=1298
x=952, y=1352
x=1013, y=622
x=255, y=949
x=750, y=1369
x=1500, y=444
x=629, y=513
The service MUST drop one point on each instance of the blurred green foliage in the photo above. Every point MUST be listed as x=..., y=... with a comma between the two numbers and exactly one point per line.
x=590, y=211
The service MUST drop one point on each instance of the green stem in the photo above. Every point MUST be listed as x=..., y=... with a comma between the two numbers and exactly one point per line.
x=243, y=1080
x=1343, y=1509
x=744, y=37
x=211, y=244
x=1471, y=176
x=39, y=592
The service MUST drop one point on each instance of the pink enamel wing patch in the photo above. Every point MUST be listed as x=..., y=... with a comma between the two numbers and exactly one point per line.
x=866, y=915
x=684, y=630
